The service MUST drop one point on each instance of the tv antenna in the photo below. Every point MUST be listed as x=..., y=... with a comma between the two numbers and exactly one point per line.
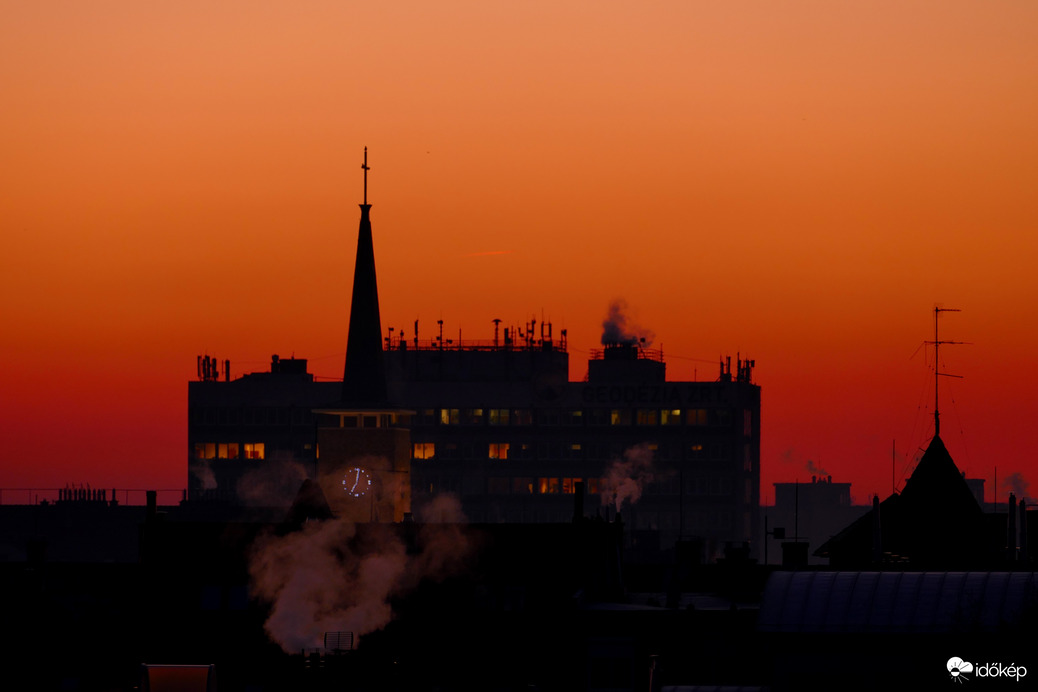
x=937, y=374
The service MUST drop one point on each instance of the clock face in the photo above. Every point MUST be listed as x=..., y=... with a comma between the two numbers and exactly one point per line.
x=356, y=482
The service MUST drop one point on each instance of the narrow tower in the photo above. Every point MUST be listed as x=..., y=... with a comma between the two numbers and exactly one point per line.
x=364, y=378
x=364, y=443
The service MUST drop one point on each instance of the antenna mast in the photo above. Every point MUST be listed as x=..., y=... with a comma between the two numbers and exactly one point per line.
x=937, y=374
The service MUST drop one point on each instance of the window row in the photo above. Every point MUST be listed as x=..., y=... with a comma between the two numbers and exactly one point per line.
x=229, y=450
x=713, y=452
x=250, y=415
x=519, y=485
x=700, y=486
x=719, y=417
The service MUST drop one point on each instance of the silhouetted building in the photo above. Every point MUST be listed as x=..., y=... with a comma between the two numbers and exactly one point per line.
x=810, y=513
x=496, y=423
x=935, y=522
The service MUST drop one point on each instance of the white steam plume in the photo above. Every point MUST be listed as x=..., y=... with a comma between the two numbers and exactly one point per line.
x=331, y=577
x=625, y=479
x=203, y=471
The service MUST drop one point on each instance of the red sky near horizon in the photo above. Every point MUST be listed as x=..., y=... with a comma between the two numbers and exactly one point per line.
x=800, y=183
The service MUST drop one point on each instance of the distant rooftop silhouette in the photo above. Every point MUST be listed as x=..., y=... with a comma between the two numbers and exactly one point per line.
x=935, y=522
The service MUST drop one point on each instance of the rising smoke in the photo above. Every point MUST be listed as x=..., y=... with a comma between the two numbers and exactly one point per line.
x=815, y=470
x=625, y=479
x=203, y=471
x=1018, y=485
x=336, y=575
x=790, y=456
x=618, y=328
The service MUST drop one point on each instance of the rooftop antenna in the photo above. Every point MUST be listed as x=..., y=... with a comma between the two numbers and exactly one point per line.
x=366, y=168
x=937, y=374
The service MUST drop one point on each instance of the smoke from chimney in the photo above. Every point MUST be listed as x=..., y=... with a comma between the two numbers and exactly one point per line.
x=1018, y=485
x=203, y=471
x=815, y=470
x=330, y=577
x=619, y=329
x=625, y=479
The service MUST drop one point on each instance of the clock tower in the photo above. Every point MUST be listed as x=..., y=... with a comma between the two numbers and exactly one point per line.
x=364, y=442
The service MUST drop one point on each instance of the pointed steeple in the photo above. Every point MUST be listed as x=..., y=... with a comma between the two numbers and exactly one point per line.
x=364, y=379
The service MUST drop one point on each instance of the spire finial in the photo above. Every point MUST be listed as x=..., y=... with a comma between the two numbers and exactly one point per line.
x=366, y=168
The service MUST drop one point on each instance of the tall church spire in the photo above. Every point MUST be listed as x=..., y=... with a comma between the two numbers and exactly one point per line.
x=364, y=379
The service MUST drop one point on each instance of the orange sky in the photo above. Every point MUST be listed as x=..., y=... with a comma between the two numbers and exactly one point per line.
x=800, y=182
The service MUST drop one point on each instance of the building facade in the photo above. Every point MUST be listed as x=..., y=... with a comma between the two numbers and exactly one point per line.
x=497, y=424
x=503, y=429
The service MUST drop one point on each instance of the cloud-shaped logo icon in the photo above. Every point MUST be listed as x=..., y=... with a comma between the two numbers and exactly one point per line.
x=958, y=668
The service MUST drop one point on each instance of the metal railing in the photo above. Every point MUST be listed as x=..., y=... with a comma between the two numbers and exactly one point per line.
x=85, y=495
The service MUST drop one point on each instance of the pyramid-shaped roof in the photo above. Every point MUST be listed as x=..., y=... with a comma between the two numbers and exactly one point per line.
x=934, y=522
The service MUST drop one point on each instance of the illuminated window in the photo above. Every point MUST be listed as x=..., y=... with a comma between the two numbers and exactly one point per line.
x=473, y=416
x=450, y=416
x=227, y=451
x=569, y=485
x=253, y=450
x=592, y=486
x=620, y=417
x=205, y=450
x=424, y=450
x=548, y=486
x=498, y=450
x=573, y=417
x=670, y=417
x=498, y=416
x=696, y=416
x=695, y=451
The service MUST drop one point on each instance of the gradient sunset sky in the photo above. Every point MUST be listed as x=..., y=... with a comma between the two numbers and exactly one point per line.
x=798, y=182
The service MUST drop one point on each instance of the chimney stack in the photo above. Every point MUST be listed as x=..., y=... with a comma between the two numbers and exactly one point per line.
x=1011, y=538
x=1023, y=532
x=578, y=501
x=877, y=532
